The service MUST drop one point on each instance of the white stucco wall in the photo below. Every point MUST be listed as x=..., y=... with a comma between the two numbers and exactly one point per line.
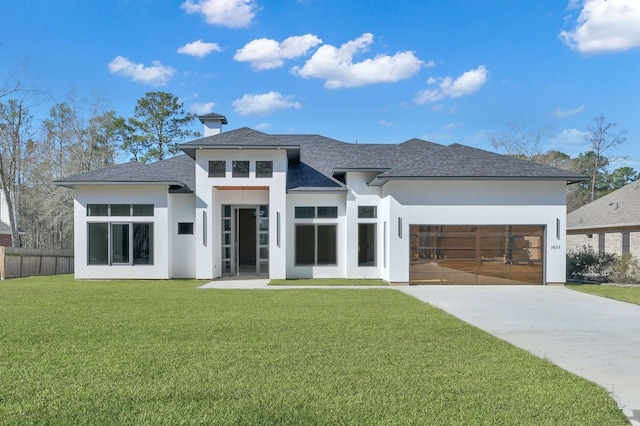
x=209, y=200
x=122, y=194
x=182, y=248
x=444, y=202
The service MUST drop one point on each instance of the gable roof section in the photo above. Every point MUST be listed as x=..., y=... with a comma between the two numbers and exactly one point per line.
x=617, y=209
x=177, y=172
x=463, y=162
x=243, y=138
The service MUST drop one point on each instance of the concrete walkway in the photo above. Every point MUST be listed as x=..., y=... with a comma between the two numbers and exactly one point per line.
x=593, y=337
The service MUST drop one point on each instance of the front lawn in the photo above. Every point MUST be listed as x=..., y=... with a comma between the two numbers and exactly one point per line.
x=165, y=352
x=623, y=293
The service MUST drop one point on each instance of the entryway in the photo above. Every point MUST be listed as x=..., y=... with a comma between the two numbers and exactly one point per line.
x=245, y=240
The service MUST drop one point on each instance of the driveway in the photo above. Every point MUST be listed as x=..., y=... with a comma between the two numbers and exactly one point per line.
x=593, y=337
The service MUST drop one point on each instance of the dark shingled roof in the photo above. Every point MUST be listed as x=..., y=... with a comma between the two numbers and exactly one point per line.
x=618, y=209
x=315, y=159
x=212, y=116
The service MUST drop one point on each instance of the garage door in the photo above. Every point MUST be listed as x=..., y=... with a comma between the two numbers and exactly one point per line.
x=473, y=254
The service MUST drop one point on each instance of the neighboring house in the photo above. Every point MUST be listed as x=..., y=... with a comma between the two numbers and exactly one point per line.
x=6, y=237
x=298, y=206
x=609, y=224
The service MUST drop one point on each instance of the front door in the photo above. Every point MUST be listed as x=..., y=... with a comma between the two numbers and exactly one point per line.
x=245, y=240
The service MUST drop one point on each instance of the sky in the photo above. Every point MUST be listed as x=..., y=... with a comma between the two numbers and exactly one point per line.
x=447, y=71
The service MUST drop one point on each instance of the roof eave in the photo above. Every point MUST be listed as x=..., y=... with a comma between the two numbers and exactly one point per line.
x=72, y=184
x=317, y=190
x=293, y=151
x=381, y=180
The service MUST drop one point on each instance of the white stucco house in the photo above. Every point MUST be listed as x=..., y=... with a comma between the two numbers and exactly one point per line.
x=244, y=202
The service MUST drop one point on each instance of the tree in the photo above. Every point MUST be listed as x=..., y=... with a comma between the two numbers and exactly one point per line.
x=602, y=136
x=518, y=142
x=156, y=128
x=15, y=127
x=620, y=177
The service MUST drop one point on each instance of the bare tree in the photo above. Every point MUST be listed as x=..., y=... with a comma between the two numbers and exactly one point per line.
x=602, y=136
x=15, y=124
x=519, y=142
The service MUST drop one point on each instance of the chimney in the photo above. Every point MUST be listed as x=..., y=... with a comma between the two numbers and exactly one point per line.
x=212, y=123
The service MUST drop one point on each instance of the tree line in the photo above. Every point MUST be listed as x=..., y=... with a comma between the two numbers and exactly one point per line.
x=81, y=135
x=601, y=139
x=77, y=136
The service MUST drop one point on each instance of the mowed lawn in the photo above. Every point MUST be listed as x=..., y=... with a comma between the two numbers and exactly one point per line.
x=164, y=352
x=623, y=293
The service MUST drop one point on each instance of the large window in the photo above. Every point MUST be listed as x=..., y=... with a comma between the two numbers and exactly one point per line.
x=316, y=212
x=239, y=169
x=366, y=244
x=120, y=243
x=316, y=244
x=217, y=168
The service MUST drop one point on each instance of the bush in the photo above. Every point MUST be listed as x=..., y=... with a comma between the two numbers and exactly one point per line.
x=625, y=270
x=588, y=265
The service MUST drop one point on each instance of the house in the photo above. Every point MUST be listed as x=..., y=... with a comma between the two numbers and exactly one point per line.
x=6, y=237
x=244, y=202
x=609, y=224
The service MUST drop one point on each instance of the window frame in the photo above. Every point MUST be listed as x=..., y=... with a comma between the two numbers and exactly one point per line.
x=235, y=173
x=260, y=173
x=185, y=228
x=129, y=243
x=314, y=246
x=215, y=172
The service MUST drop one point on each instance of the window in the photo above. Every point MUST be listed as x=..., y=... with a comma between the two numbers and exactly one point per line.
x=119, y=209
x=264, y=169
x=366, y=244
x=625, y=243
x=305, y=212
x=97, y=209
x=143, y=209
x=98, y=243
x=316, y=245
x=367, y=212
x=217, y=168
x=601, y=244
x=240, y=169
x=120, y=243
x=316, y=212
x=185, y=228
x=327, y=212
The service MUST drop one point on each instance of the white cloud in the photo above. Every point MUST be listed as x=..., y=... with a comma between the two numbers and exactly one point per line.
x=564, y=113
x=605, y=26
x=154, y=75
x=202, y=108
x=227, y=13
x=336, y=65
x=264, y=53
x=451, y=126
x=262, y=126
x=199, y=49
x=468, y=83
x=569, y=141
x=385, y=123
x=264, y=104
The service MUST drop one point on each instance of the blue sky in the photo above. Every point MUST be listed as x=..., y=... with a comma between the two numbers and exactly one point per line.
x=360, y=70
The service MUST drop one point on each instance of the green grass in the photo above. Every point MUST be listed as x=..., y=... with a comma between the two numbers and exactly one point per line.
x=330, y=282
x=165, y=352
x=625, y=294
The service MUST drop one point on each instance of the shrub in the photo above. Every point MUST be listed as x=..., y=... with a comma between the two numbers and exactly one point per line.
x=587, y=264
x=625, y=270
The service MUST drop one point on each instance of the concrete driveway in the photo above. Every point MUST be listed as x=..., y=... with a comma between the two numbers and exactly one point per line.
x=593, y=337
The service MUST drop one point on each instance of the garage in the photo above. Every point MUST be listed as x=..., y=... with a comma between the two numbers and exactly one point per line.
x=477, y=254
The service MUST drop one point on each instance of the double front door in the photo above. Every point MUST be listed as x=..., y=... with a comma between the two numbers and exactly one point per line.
x=245, y=240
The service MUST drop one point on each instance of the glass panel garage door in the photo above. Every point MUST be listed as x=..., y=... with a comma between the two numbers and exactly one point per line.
x=472, y=254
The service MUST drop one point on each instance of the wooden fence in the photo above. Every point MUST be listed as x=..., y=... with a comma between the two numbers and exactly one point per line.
x=21, y=262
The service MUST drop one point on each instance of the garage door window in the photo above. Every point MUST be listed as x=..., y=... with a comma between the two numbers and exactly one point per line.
x=470, y=254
